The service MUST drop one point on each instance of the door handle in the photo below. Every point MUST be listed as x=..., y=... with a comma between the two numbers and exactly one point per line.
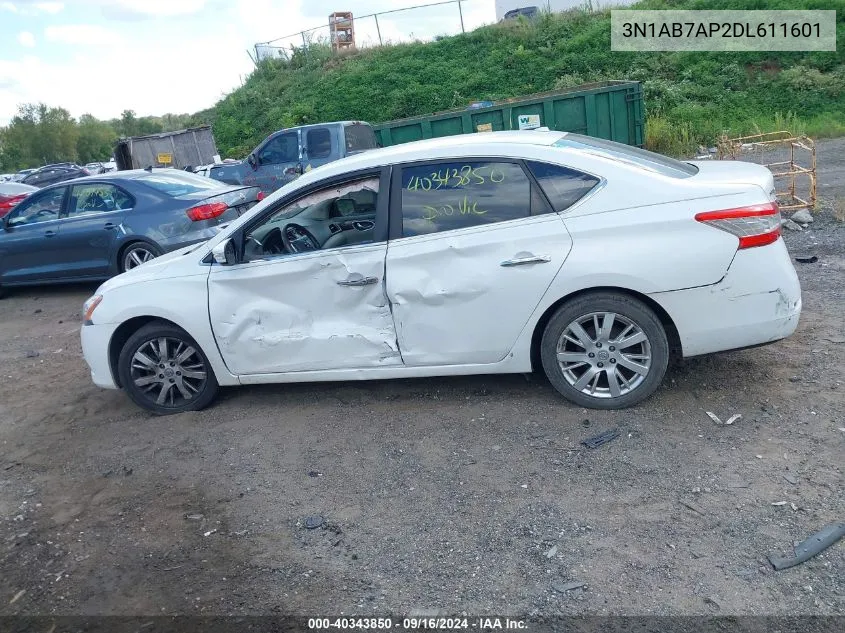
x=49, y=233
x=109, y=226
x=362, y=281
x=528, y=259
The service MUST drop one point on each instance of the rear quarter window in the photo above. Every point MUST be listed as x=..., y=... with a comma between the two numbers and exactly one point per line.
x=562, y=186
x=622, y=153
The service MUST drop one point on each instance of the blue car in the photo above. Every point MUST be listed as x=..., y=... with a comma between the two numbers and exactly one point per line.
x=92, y=228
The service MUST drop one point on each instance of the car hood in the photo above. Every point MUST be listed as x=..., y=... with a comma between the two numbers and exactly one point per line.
x=172, y=264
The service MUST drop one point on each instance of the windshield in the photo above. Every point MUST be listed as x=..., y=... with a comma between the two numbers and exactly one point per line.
x=628, y=154
x=179, y=183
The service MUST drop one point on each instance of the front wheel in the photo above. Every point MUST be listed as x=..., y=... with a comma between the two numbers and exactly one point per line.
x=605, y=351
x=164, y=370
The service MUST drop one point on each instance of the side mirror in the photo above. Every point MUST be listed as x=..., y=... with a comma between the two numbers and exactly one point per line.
x=224, y=253
x=252, y=160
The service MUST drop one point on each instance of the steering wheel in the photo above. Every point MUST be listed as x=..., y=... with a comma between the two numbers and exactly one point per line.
x=298, y=239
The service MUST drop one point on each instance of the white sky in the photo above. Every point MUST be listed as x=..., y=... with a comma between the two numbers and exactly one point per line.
x=156, y=56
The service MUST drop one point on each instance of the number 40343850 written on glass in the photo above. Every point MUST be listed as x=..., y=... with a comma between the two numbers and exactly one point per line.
x=454, y=178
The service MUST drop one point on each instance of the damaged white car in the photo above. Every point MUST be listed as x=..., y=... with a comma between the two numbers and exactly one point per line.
x=490, y=253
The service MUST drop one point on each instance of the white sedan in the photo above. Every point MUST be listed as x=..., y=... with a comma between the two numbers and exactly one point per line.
x=480, y=254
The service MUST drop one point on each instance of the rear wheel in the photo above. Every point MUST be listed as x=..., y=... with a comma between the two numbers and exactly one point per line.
x=164, y=370
x=605, y=351
x=137, y=254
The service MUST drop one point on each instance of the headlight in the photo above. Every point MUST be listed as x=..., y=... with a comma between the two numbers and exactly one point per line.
x=88, y=309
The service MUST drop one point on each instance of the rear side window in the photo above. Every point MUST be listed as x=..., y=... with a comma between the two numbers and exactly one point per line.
x=644, y=159
x=457, y=195
x=319, y=143
x=563, y=186
x=98, y=198
x=359, y=137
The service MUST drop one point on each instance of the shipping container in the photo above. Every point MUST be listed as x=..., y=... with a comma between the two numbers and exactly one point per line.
x=186, y=148
x=611, y=110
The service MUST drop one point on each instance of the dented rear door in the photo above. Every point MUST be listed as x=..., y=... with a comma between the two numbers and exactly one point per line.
x=310, y=311
x=474, y=247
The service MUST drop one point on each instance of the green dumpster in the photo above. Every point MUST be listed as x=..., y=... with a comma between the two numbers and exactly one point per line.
x=611, y=110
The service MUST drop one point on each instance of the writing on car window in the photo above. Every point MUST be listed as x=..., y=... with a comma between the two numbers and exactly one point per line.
x=449, y=196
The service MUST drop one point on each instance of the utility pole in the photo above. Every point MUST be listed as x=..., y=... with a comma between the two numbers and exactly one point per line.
x=378, y=30
x=461, y=13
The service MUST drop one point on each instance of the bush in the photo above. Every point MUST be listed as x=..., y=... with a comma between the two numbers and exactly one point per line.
x=690, y=98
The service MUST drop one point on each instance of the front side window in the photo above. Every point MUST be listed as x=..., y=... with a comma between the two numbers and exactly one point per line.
x=319, y=143
x=563, y=186
x=283, y=148
x=336, y=216
x=39, y=207
x=456, y=195
x=97, y=198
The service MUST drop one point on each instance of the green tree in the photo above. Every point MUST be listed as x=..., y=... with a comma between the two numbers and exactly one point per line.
x=127, y=124
x=96, y=139
x=38, y=135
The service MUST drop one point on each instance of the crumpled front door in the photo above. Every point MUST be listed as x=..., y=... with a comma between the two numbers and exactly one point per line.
x=309, y=311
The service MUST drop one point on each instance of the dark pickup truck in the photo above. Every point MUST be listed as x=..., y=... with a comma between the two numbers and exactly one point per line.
x=286, y=154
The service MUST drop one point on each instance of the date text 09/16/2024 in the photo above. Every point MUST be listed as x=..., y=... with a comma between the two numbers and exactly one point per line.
x=418, y=623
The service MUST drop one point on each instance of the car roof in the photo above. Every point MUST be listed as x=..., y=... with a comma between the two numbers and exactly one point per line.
x=313, y=125
x=16, y=187
x=444, y=147
x=129, y=174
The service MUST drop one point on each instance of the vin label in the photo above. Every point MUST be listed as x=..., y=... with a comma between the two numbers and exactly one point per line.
x=763, y=30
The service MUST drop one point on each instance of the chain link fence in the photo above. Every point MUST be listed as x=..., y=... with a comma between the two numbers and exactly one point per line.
x=421, y=22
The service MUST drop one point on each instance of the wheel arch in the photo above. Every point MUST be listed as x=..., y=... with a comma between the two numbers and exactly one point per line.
x=675, y=350
x=122, y=334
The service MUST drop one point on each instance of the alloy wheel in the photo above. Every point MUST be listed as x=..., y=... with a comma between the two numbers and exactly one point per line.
x=168, y=371
x=604, y=354
x=136, y=256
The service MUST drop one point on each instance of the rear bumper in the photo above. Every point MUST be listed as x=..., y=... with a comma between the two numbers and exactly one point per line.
x=95, y=349
x=757, y=302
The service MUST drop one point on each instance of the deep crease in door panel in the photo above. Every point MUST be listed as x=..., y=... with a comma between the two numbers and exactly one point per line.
x=257, y=323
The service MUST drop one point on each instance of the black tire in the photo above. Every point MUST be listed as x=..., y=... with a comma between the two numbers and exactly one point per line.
x=618, y=366
x=143, y=252
x=169, y=376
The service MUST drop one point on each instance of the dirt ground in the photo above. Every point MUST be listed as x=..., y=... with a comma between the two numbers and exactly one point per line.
x=461, y=495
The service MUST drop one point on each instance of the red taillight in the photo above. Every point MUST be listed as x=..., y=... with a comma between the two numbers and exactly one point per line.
x=6, y=203
x=207, y=211
x=754, y=225
x=260, y=196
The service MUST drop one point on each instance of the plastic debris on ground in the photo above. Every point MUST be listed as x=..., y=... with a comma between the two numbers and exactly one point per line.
x=810, y=547
x=601, y=438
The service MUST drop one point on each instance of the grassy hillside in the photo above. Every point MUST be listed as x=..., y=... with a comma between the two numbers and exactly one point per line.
x=690, y=97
